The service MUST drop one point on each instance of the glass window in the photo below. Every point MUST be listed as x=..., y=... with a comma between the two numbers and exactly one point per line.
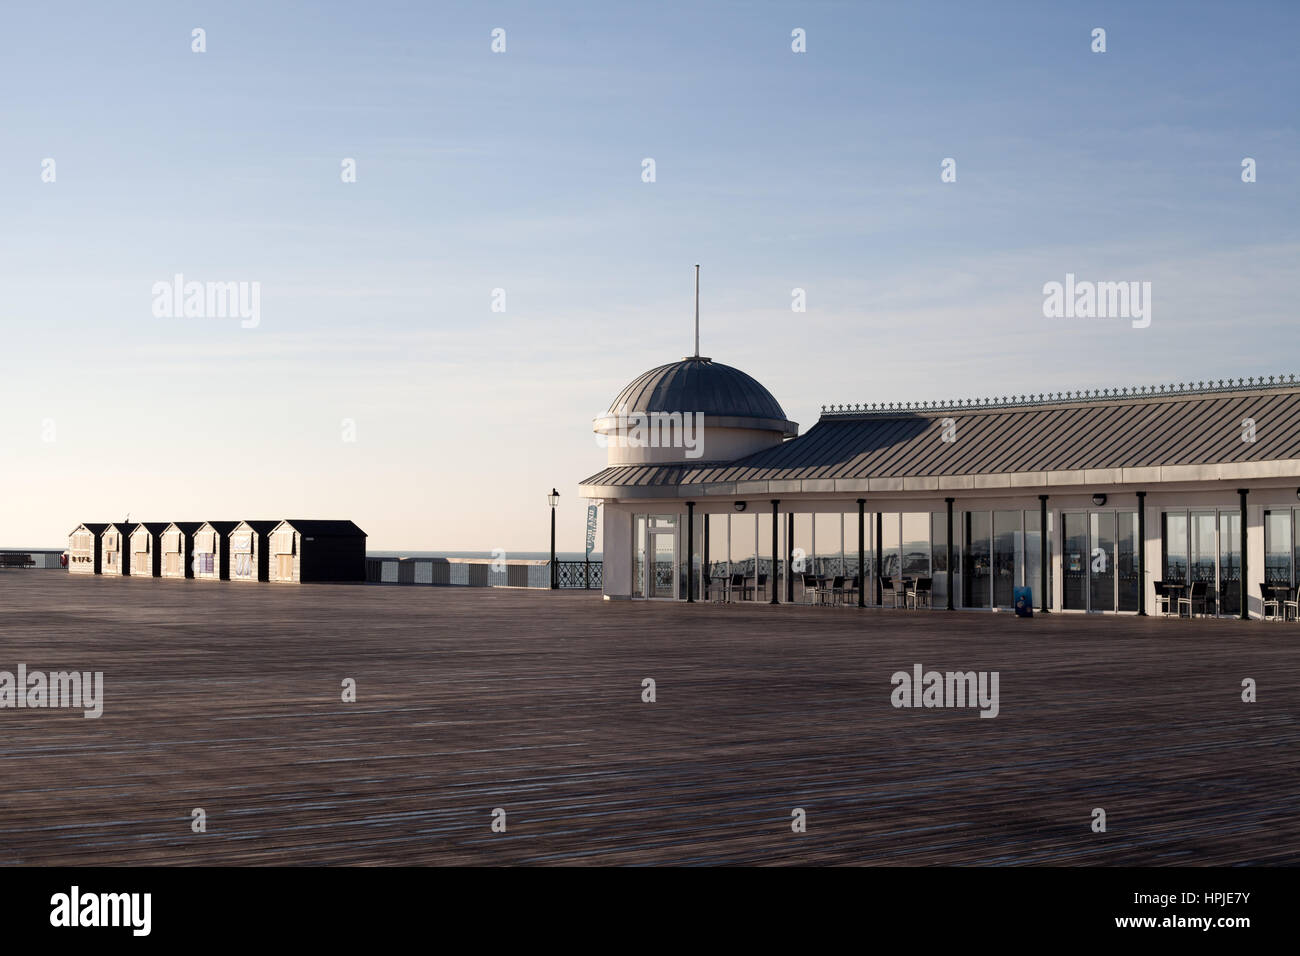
x=764, y=555
x=664, y=561
x=978, y=565
x=1128, y=581
x=1295, y=544
x=1203, y=553
x=868, y=548
x=1075, y=561
x=1007, y=556
x=1033, y=559
x=804, y=558
x=1230, y=562
x=1175, y=547
x=939, y=557
x=890, y=564
x=638, y=556
x=1277, y=547
x=744, y=542
x=916, y=545
x=828, y=532
x=1101, y=561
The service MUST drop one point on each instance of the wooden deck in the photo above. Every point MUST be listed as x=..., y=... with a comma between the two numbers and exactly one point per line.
x=227, y=697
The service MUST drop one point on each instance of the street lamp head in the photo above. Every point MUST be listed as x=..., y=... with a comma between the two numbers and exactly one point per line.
x=553, y=498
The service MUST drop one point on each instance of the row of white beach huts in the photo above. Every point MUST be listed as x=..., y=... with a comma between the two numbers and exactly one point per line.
x=281, y=551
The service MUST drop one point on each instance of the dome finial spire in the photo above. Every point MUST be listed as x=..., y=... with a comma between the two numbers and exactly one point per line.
x=697, y=310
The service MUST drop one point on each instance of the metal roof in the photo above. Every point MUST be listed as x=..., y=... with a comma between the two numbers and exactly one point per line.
x=262, y=527
x=221, y=527
x=325, y=528
x=698, y=384
x=1120, y=432
x=92, y=526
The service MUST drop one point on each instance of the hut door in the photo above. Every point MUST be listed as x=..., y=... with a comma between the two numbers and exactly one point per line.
x=284, y=567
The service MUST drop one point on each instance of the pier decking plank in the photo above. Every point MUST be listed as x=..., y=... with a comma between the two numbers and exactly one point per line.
x=227, y=697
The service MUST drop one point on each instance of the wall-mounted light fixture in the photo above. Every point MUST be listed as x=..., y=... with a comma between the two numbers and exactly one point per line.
x=740, y=505
x=1099, y=500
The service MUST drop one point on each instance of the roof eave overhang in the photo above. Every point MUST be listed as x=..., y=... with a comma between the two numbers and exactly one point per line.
x=1151, y=477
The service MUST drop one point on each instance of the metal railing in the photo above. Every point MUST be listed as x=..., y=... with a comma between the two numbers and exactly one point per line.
x=40, y=560
x=1062, y=398
x=581, y=575
x=464, y=572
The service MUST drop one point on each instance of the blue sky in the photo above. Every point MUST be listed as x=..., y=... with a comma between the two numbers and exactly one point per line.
x=522, y=171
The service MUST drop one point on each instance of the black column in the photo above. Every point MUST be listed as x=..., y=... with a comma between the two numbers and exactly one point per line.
x=1245, y=588
x=704, y=564
x=1044, y=555
x=949, y=501
x=775, y=520
x=880, y=526
x=862, y=552
x=789, y=558
x=1142, y=553
x=690, y=552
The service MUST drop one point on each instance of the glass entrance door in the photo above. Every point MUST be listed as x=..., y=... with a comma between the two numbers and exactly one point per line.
x=978, y=560
x=1101, y=562
x=1099, y=565
x=1074, y=563
x=661, y=557
x=1204, y=556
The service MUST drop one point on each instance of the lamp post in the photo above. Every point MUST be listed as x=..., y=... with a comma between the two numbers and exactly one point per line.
x=554, y=499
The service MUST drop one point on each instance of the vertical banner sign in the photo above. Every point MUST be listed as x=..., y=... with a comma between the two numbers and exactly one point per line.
x=591, y=529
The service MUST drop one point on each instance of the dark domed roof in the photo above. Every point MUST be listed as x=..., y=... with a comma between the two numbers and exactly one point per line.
x=699, y=384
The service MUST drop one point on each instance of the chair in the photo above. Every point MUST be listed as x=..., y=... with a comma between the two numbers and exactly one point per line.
x=1162, y=598
x=738, y=584
x=1196, y=593
x=851, y=587
x=900, y=593
x=837, y=588
x=810, y=589
x=1269, y=597
x=1291, y=608
x=921, y=592
x=762, y=584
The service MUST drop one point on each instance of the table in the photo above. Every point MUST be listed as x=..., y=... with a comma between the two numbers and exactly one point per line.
x=1281, y=593
x=1175, y=591
x=719, y=587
